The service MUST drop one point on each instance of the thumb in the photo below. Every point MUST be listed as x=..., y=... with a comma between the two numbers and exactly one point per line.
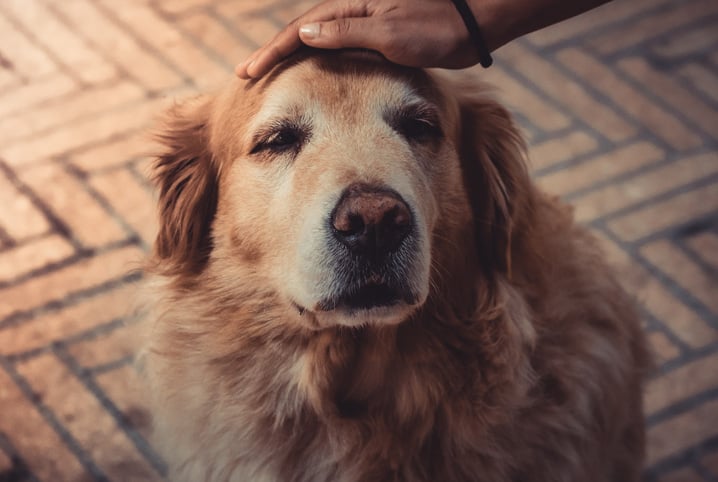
x=354, y=32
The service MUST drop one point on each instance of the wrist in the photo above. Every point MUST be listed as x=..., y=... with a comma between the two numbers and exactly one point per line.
x=494, y=21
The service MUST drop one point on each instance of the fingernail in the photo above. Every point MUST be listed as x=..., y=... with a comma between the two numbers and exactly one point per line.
x=310, y=30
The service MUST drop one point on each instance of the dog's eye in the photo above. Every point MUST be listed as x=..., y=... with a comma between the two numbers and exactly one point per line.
x=418, y=129
x=281, y=140
x=416, y=123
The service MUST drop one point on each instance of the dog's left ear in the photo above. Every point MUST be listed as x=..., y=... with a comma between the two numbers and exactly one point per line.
x=493, y=161
x=186, y=176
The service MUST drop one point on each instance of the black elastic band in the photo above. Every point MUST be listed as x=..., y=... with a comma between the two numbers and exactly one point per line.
x=474, y=32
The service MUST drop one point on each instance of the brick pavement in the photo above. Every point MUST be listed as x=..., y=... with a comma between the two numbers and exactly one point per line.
x=620, y=107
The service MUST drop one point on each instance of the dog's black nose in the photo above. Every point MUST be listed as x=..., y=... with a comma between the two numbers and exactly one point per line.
x=371, y=221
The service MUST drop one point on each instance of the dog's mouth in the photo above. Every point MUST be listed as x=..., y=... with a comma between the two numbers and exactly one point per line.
x=366, y=297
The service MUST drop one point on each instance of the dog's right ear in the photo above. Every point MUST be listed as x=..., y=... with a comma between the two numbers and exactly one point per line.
x=185, y=174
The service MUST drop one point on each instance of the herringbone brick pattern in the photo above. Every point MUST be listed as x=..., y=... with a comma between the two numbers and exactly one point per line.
x=620, y=107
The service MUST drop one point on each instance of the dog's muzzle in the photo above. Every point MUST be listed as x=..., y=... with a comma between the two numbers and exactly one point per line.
x=373, y=245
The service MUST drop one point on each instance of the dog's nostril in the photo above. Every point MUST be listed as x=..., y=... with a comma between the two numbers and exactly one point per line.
x=349, y=225
x=371, y=221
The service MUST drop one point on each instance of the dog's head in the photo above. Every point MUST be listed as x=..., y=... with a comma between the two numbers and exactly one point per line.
x=348, y=186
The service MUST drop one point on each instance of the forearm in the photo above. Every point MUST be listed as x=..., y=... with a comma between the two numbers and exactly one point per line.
x=505, y=20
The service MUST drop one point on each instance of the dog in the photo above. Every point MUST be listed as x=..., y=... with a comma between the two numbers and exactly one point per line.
x=355, y=279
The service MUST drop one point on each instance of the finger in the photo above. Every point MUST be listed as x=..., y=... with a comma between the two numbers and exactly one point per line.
x=241, y=69
x=287, y=41
x=363, y=32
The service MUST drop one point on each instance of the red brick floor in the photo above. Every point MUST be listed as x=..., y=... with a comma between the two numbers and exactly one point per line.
x=620, y=107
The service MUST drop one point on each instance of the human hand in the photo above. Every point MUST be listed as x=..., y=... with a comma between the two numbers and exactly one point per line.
x=415, y=33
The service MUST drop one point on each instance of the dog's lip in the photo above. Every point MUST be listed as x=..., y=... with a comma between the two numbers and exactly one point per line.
x=367, y=297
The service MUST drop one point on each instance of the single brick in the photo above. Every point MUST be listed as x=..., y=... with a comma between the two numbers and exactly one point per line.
x=561, y=149
x=682, y=432
x=112, y=153
x=662, y=215
x=130, y=199
x=253, y=9
x=108, y=347
x=601, y=168
x=179, y=6
x=660, y=180
x=33, y=255
x=288, y=11
x=72, y=279
x=701, y=79
x=676, y=265
x=82, y=317
x=5, y=463
x=8, y=80
x=34, y=93
x=662, y=348
x=629, y=99
x=681, y=383
x=35, y=441
x=81, y=413
x=706, y=246
x=569, y=93
x=19, y=217
x=88, y=221
x=710, y=462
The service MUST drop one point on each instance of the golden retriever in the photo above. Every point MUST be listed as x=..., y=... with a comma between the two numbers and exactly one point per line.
x=356, y=280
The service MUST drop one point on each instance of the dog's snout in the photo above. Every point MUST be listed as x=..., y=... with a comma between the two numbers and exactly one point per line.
x=371, y=221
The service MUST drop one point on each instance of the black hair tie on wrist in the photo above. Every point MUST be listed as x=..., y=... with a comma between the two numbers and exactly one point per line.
x=474, y=32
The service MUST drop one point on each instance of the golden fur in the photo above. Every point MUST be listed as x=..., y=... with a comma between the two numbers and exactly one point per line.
x=522, y=362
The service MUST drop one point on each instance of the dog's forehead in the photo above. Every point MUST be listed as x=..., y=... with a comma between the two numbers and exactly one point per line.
x=352, y=83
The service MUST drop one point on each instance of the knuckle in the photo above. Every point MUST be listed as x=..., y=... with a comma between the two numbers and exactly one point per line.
x=342, y=26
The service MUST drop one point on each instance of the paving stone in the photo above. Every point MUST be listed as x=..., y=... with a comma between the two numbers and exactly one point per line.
x=75, y=278
x=33, y=255
x=710, y=462
x=561, y=149
x=84, y=316
x=107, y=348
x=37, y=443
x=619, y=106
x=20, y=216
x=683, y=431
x=601, y=168
x=86, y=419
x=57, y=38
x=651, y=184
x=681, y=383
x=685, y=474
x=677, y=266
x=84, y=215
x=569, y=93
x=630, y=99
x=125, y=387
x=664, y=349
x=130, y=199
